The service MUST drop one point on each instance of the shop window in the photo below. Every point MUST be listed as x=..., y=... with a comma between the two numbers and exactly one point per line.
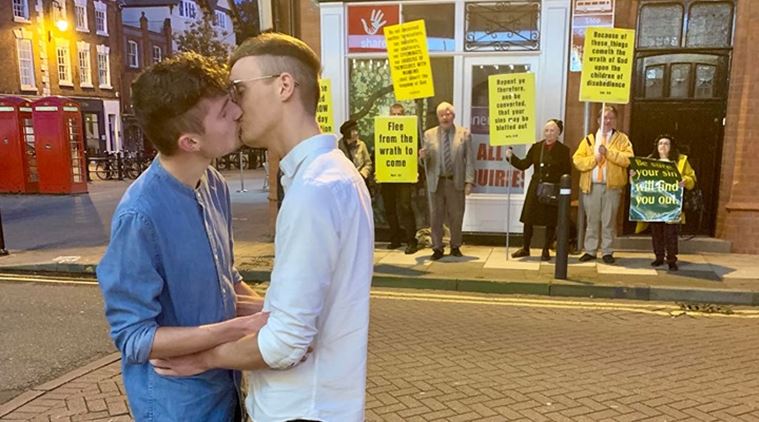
x=705, y=81
x=439, y=22
x=502, y=26
x=660, y=26
x=654, y=81
x=371, y=93
x=710, y=25
x=679, y=80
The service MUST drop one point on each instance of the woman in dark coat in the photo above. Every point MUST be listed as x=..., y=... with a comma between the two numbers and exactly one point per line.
x=551, y=160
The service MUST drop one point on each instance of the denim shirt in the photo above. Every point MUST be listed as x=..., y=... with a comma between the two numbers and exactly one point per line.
x=170, y=264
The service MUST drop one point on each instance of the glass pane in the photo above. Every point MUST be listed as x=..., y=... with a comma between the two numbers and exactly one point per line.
x=491, y=169
x=654, y=82
x=502, y=26
x=76, y=167
x=705, y=81
x=679, y=80
x=439, y=22
x=709, y=25
x=660, y=26
x=31, y=152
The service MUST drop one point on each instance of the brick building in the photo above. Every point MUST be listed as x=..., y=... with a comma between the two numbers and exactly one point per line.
x=141, y=47
x=80, y=60
x=695, y=77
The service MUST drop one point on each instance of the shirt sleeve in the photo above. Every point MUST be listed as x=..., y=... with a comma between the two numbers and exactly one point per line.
x=307, y=250
x=131, y=284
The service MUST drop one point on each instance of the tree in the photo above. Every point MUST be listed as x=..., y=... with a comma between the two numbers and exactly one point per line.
x=203, y=38
x=246, y=23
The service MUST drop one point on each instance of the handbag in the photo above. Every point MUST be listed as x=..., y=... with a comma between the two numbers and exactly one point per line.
x=693, y=200
x=547, y=192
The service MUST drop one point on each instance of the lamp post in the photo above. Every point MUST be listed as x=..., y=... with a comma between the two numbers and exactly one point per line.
x=55, y=13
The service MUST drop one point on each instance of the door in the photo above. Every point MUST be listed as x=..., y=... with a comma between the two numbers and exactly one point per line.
x=499, y=188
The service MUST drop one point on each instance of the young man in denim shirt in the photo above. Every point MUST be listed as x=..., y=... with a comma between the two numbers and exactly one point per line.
x=168, y=276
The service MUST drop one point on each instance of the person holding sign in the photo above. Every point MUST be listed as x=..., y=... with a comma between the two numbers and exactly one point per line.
x=551, y=161
x=397, y=200
x=449, y=167
x=664, y=235
x=602, y=159
x=355, y=149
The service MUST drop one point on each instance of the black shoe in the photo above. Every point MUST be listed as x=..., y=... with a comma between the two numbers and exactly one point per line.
x=411, y=248
x=4, y=252
x=608, y=259
x=587, y=257
x=394, y=245
x=437, y=254
x=456, y=252
x=519, y=253
x=545, y=256
x=673, y=266
x=657, y=262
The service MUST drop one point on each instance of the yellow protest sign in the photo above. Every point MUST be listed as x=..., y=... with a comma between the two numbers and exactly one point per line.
x=607, y=65
x=410, y=66
x=324, y=108
x=395, y=149
x=511, y=99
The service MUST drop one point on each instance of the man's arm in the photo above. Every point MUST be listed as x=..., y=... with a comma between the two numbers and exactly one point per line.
x=584, y=159
x=469, y=165
x=249, y=301
x=621, y=152
x=242, y=355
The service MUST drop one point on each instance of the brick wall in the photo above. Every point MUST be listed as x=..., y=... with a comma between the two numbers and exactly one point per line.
x=738, y=212
x=10, y=82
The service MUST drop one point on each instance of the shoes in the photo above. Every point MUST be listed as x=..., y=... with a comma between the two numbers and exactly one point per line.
x=657, y=262
x=673, y=266
x=394, y=245
x=456, y=252
x=545, y=256
x=608, y=259
x=587, y=257
x=437, y=254
x=519, y=253
x=411, y=248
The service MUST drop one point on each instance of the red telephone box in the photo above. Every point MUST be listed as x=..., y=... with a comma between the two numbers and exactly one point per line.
x=18, y=171
x=60, y=145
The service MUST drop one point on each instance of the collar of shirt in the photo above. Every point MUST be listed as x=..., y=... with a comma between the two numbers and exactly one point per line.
x=308, y=147
x=173, y=182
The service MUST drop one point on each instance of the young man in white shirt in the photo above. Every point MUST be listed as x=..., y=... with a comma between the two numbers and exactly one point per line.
x=318, y=298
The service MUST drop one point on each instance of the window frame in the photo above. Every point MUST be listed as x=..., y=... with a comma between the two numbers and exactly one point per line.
x=133, y=54
x=159, y=57
x=81, y=5
x=101, y=8
x=26, y=16
x=83, y=47
x=103, y=51
x=30, y=44
x=63, y=63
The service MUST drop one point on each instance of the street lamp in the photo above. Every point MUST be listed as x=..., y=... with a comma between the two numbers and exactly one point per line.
x=60, y=19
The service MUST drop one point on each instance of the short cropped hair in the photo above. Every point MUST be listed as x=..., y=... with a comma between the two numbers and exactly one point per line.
x=167, y=96
x=283, y=53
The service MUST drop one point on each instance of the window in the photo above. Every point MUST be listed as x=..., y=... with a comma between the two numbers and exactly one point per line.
x=26, y=64
x=64, y=63
x=660, y=26
x=101, y=18
x=104, y=67
x=187, y=9
x=157, y=54
x=85, y=69
x=710, y=25
x=439, y=20
x=679, y=80
x=220, y=19
x=654, y=81
x=21, y=10
x=705, y=75
x=80, y=12
x=502, y=26
x=133, y=55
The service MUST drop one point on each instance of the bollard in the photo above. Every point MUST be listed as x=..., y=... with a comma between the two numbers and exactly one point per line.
x=242, y=176
x=562, y=227
x=3, y=251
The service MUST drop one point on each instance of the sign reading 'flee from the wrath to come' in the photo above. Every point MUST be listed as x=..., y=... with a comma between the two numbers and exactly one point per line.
x=655, y=192
x=410, y=66
x=511, y=100
x=324, y=108
x=607, y=65
x=395, y=149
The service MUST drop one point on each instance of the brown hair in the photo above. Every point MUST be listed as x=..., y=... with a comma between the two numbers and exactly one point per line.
x=284, y=53
x=608, y=108
x=167, y=96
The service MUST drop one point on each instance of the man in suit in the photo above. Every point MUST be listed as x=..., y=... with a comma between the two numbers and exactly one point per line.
x=449, y=167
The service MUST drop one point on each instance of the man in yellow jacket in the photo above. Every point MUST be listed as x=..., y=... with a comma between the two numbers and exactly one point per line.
x=602, y=159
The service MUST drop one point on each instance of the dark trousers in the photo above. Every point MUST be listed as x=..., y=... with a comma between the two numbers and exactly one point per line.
x=397, y=200
x=527, y=235
x=664, y=238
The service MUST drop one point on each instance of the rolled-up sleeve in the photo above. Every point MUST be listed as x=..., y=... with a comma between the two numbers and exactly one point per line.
x=131, y=284
x=307, y=251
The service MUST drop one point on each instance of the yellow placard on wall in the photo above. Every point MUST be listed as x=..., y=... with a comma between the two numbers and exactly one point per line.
x=324, y=108
x=410, y=66
x=511, y=99
x=607, y=65
x=395, y=149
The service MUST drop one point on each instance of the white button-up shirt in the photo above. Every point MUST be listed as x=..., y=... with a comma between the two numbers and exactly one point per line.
x=319, y=292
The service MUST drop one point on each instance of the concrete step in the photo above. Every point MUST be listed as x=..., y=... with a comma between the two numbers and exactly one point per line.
x=687, y=244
